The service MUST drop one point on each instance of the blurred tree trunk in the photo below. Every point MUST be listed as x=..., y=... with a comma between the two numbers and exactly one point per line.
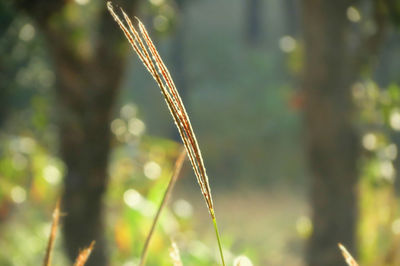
x=253, y=21
x=6, y=18
x=4, y=96
x=87, y=84
x=86, y=91
x=332, y=64
x=291, y=13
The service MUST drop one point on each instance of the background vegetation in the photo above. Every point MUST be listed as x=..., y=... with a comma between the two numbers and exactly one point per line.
x=295, y=105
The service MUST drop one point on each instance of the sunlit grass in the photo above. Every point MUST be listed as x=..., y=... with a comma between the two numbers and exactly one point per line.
x=148, y=54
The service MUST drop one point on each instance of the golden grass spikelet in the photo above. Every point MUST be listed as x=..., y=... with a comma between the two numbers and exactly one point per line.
x=347, y=256
x=148, y=54
x=53, y=233
x=84, y=255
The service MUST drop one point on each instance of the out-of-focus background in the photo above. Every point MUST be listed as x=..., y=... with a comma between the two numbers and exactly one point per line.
x=296, y=106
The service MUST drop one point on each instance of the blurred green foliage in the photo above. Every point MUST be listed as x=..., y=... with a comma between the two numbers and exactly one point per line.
x=244, y=108
x=379, y=120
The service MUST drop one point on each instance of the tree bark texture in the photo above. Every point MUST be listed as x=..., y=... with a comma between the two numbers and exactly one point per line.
x=332, y=64
x=86, y=88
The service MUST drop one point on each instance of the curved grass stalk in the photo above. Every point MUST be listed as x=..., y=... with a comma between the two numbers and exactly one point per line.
x=167, y=194
x=148, y=54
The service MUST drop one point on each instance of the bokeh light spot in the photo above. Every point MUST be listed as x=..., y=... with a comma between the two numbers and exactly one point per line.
x=287, y=44
x=132, y=198
x=18, y=194
x=152, y=170
x=118, y=127
x=387, y=170
x=128, y=111
x=369, y=141
x=131, y=263
x=157, y=2
x=160, y=23
x=395, y=119
x=182, y=208
x=390, y=152
x=304, y=226
x=136, y=127
x=396, y=227
x=27, y=32
x=353, y=14
x=82, y=2
x=52, y=174
x=27, y=145
x=242, y=261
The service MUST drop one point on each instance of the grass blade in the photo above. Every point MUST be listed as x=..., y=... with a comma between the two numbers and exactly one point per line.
x=167, y=194
x=53, y=233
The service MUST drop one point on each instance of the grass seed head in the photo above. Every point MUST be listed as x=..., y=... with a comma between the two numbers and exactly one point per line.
x=148, y=54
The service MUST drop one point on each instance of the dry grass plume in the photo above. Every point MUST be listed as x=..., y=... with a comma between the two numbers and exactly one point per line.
x=148, y=54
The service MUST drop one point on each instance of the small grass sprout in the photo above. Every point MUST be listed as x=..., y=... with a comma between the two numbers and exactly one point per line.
x=53, y=233
x=347, y=256
x=84, y=255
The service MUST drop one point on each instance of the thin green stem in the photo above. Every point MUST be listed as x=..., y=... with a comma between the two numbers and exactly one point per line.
x=167, y=194
x=219, y=239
